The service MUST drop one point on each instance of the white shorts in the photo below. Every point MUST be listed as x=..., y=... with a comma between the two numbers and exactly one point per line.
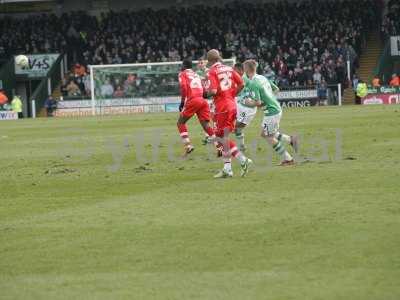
x=245, y=114
x=270, y=124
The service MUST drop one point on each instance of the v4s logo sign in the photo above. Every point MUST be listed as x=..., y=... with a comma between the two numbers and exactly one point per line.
x=39, y=65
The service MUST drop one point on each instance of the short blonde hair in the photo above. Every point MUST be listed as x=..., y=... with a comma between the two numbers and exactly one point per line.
x=250, y=64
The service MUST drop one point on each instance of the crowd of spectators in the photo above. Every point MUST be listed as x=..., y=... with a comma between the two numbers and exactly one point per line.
x=391, y=21
x=297, y=44
x=391, y=27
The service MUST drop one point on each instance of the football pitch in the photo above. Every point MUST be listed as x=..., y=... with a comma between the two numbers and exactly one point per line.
x=105, y=208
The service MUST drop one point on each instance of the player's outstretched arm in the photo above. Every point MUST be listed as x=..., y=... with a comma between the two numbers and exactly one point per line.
x=183, y=90
x=213, y=87
x=238, y=81
x=182, y=104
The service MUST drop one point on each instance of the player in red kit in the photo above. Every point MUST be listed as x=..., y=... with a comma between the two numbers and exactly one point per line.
x=192, y=102
x=225, y=84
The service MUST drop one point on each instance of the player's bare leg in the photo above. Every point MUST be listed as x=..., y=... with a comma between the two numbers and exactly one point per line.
x=279, y=147
x=183, y=131
x=240, y=135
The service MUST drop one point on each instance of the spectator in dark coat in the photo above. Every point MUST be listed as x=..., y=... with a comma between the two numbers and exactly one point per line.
x=50, y=105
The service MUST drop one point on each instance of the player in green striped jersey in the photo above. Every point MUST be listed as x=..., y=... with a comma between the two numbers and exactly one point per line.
x=261, y=95
x=246, y=114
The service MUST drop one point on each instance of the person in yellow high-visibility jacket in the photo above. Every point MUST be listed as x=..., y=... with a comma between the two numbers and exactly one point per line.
x=361, y=90
x=16, y=106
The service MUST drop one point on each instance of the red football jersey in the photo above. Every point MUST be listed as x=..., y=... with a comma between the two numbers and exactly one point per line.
x=225, y=80
x=190, y=85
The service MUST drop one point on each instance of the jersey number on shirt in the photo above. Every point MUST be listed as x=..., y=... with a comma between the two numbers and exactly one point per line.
x=195, y=82
x=225, y=81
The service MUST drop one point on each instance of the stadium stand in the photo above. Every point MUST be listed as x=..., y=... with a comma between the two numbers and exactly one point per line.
x=310, y=49
x=391, y=27
x=391, y=22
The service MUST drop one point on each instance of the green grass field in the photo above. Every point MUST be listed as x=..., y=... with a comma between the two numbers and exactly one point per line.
x=86, y=214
